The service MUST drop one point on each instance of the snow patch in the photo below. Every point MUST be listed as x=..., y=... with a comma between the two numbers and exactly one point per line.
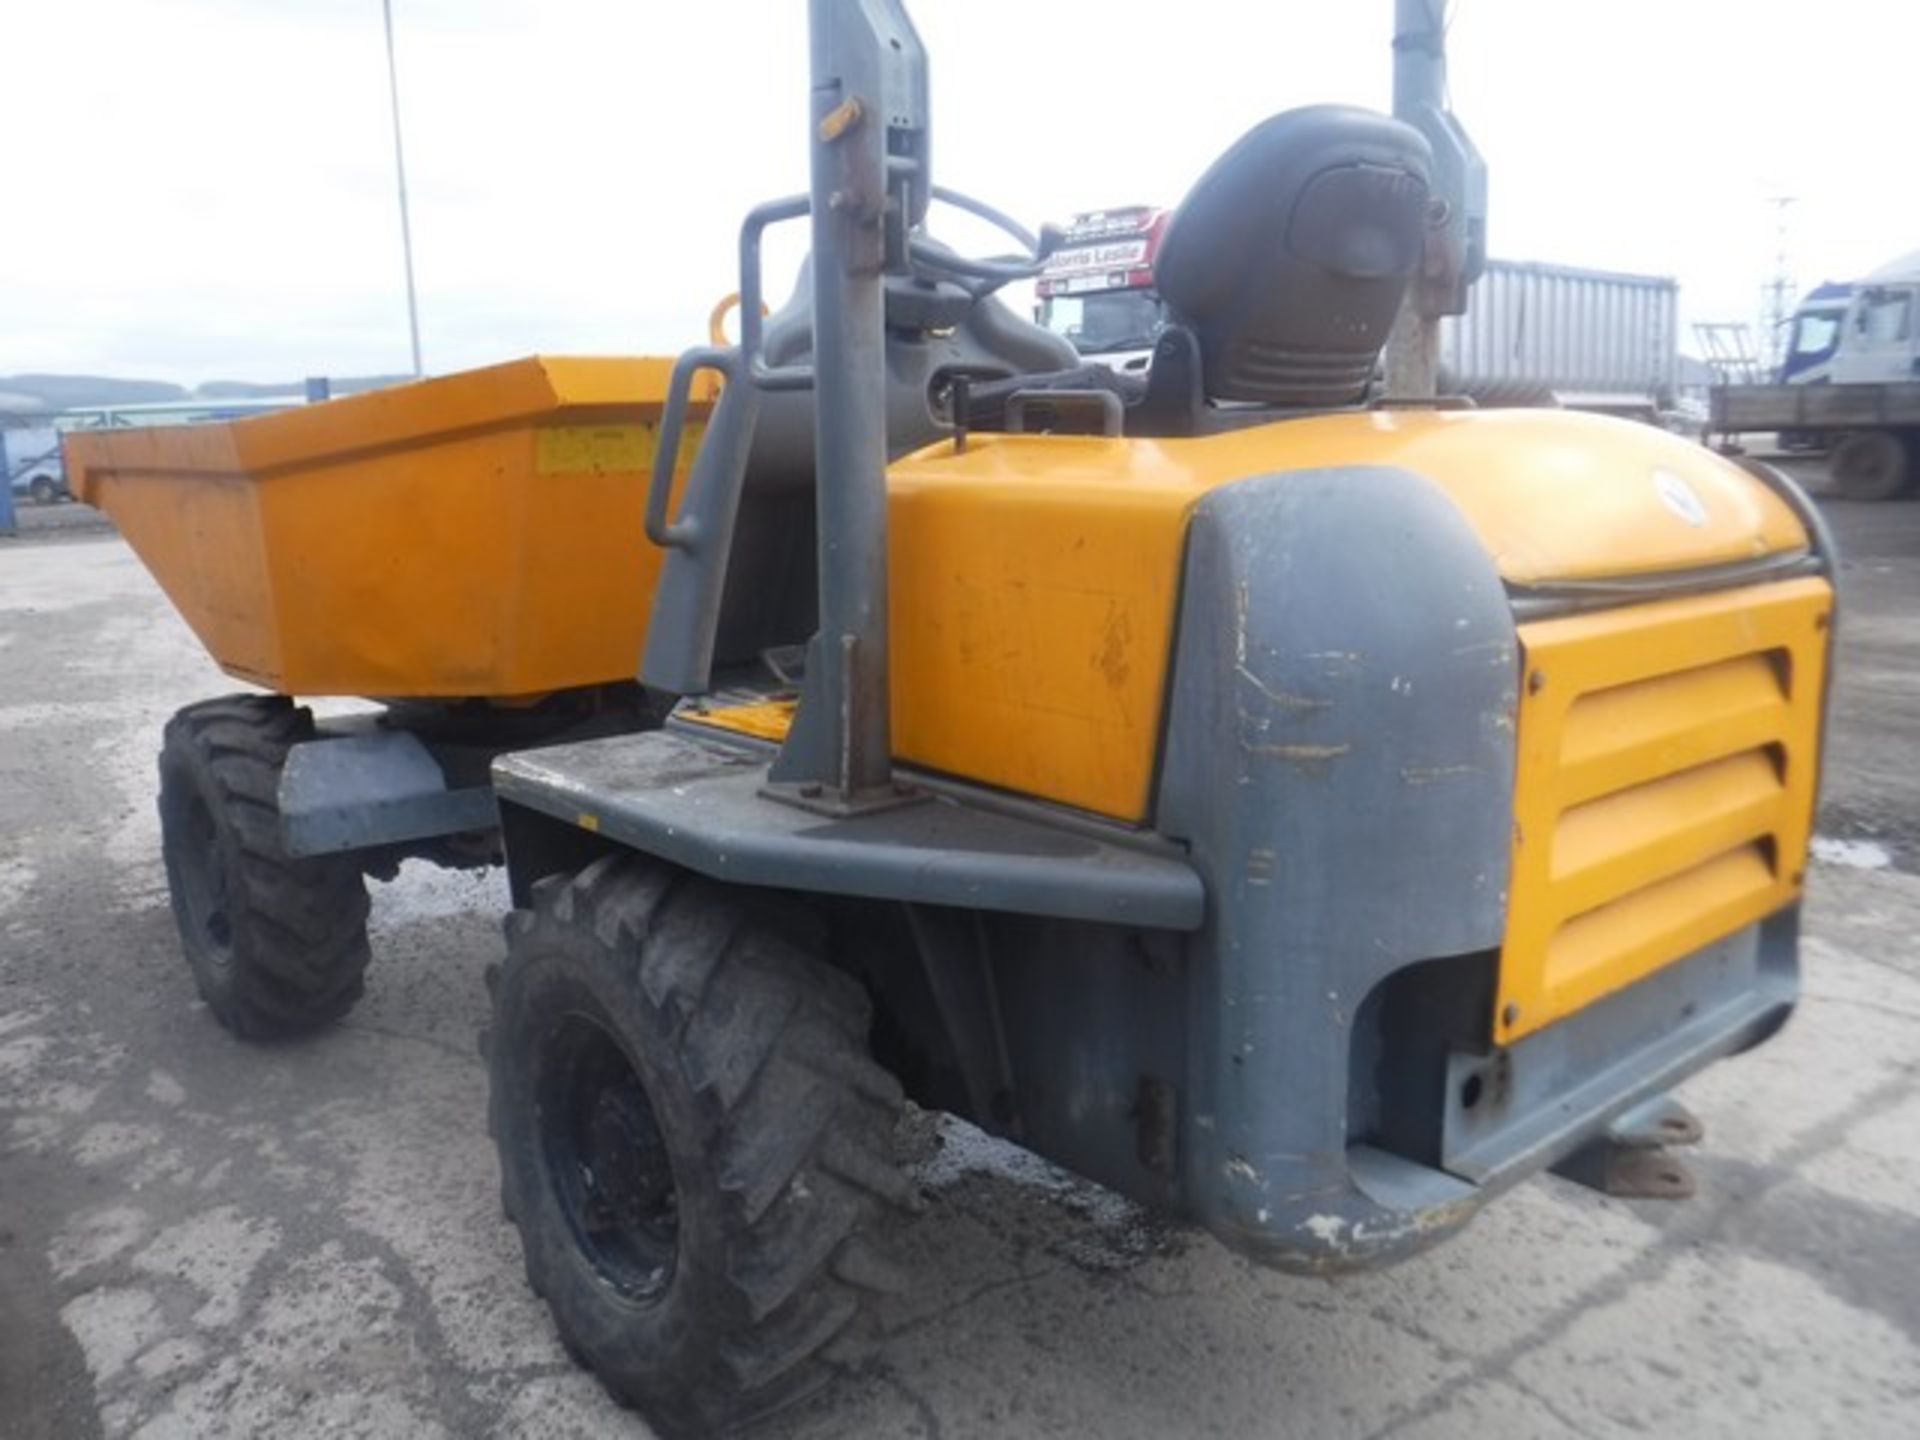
x=112, y=1327
x=96, y=1237
x=20, y=1019
x=967, y=1150
x=1855, y=854
x=424, y=891
x=113, y=1140
x=20, y=1058
x=62, y=1098
x=163, y=1089
x=16, y=879
x=180, y=1352
x=215, y=1253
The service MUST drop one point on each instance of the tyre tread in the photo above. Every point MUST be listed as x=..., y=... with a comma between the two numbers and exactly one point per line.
x=771, y=1044
x=299, y=953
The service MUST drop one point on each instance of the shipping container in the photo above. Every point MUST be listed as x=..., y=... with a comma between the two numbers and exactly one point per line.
x=1541, y=334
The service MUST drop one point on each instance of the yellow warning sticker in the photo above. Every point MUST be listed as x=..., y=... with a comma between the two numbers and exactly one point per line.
x=592, y=449
x=765, y=719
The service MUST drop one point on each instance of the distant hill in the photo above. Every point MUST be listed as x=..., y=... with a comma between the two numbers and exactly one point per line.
x=64, y=392
x=60, y=392
x=253, y=390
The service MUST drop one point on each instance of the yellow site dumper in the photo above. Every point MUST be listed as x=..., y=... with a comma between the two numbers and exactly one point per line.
x=464, y=549
x=1299, y=801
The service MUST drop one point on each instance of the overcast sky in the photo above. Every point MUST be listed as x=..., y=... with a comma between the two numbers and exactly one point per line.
x=203, y=189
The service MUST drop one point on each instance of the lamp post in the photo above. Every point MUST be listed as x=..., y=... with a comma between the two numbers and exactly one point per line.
x=400, y=174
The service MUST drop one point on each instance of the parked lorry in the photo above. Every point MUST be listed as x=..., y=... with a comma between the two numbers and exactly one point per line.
x=1304, y=815
x=1532, y=334
x=1096, y=289
x=1860, y=393
x=1806, y=353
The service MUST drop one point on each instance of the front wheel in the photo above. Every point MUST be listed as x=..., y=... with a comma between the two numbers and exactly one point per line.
x=43, y=490
x=277, y=943
x=693, y=1139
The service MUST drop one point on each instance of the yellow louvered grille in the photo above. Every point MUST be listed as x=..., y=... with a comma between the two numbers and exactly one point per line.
x=1664, y=791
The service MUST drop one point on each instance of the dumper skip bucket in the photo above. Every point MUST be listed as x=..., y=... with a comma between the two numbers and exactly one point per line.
x=473, y=535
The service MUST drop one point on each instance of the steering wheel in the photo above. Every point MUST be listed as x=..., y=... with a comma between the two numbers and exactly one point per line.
x=981, y=277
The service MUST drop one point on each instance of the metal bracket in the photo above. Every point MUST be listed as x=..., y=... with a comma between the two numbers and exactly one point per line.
x=819, y=799
x=1662, y=1120
x=1632, y=1162
x=1056, y=407
x=1628, y=1173
x=356, y=792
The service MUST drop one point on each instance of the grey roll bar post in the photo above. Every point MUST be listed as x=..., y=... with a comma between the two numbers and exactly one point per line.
x=870, y=188
x=873, y=42
x=1455, y=252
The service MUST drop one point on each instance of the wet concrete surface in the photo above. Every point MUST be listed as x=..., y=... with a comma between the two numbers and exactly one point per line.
x=203, y=1238
x=1872, y=784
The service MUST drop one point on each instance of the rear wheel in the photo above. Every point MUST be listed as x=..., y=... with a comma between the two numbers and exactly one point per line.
x=1871, y=465
x=43, y=490
x=277, y=944
x=694, y=1142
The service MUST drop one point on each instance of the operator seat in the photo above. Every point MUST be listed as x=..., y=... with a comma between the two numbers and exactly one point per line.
x=1288, y=259
x=1282, y=270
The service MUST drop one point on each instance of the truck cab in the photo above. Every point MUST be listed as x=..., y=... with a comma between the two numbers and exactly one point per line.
x=1097, y=288
x=1878, y=347
x=1814, y=335
x=1880, y=341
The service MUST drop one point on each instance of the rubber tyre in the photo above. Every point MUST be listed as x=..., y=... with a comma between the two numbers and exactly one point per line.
x=43, y=490
x=277, y=945
x=775, y=1123
x=1871, y=465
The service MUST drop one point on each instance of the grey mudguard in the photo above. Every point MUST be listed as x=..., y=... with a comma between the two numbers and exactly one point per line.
x=1340, y=758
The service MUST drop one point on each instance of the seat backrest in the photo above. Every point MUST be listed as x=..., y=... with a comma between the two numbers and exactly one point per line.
x=1288, y=259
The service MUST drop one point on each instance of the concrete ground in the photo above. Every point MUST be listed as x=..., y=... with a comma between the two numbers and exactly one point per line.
x=200, y=1238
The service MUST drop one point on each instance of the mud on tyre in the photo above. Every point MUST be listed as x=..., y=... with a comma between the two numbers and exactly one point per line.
x=694, y=1142
x=277, y=944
